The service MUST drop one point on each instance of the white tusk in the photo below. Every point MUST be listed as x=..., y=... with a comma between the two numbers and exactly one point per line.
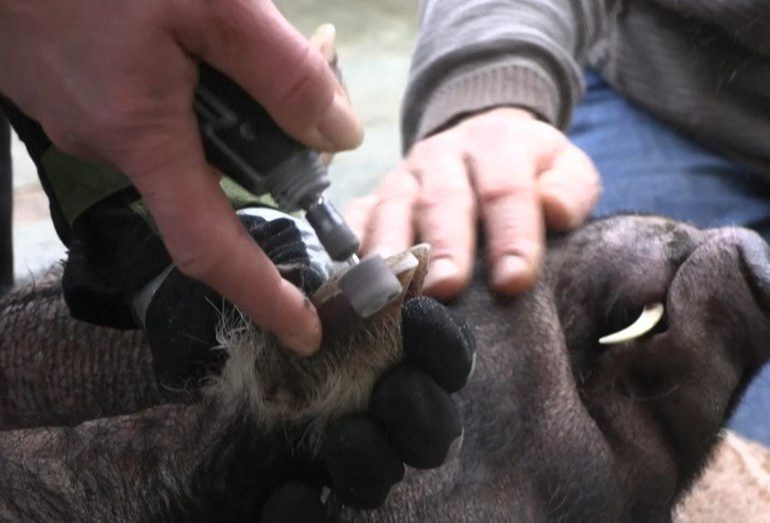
x=650, y=317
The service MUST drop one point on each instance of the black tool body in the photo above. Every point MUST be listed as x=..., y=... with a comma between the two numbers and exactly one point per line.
x=243, y=142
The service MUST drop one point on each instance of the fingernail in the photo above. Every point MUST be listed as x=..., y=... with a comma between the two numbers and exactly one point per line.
x=511, y=273
x=340, y=126
x=304, y=343
x=440, y=271
x=323, y=33
x=324, y=39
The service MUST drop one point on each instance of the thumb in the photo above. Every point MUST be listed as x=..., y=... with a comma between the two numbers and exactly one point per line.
x=204, y=237
x=252, y=43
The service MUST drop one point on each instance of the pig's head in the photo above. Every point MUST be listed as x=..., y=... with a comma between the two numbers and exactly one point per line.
x=659, y=400
x=558, y=427
x=561, y=427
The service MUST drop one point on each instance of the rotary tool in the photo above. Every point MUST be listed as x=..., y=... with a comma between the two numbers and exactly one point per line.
x=244, y=143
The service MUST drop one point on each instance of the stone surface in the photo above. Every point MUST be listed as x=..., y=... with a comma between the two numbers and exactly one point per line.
x=735, y=487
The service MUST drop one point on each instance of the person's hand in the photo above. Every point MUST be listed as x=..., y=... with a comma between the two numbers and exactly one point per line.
x=114, y=82
x=502, y=166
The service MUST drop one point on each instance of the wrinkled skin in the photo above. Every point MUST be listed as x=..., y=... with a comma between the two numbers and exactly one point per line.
x=560, y=428
x=557, y=427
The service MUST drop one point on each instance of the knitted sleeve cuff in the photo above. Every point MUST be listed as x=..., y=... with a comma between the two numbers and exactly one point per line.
x=513, y=83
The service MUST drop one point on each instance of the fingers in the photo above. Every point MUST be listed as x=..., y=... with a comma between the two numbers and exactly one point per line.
x=512, y=170
x=206, y=240
x=252, y=43
x=510, y=208
x=445, y=217
x=430, y=195
x=389, y=228
x=569, y=189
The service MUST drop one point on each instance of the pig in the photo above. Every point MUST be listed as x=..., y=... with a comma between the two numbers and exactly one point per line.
x=556, y=426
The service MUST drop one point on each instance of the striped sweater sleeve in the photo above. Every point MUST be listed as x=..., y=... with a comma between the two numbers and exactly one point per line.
x=477, y=54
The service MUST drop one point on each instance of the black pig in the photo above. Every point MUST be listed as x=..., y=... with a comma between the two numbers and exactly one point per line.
x=556, y=426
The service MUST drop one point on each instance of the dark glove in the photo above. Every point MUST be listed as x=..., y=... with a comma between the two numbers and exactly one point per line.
x=181, y=319
x=293, y=502
x=411, y=420
x=112, y=253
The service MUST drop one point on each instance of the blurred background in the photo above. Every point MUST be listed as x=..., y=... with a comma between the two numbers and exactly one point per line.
x=374, y=42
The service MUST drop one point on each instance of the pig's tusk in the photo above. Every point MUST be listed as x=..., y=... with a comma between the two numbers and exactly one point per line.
x=650, y=317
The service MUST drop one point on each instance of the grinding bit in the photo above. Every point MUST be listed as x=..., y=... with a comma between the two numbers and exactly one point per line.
x=370, y=286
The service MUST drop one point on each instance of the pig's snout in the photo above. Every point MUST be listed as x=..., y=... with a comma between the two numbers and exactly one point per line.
x=754, y=258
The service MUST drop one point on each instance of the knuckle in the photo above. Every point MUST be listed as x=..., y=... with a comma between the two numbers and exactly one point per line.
x=445, y=245
x=419, y=150
x=436, y=146
x=115, y=126
x=584, y=163
x=400, y=184
x=203, y=256
x=83, y=141
x=197, y=261
x=547, y=132
x=304, y=81
x=85, y=129
x=443, y=175
x=454, y=202
x=522, y=133
x=110, y=121
x=500, y=189
x=65, y=138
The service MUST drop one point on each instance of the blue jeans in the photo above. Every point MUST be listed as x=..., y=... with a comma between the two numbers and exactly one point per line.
x=648, y=167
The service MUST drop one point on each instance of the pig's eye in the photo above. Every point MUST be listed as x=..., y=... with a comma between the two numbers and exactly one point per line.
x=650, y=317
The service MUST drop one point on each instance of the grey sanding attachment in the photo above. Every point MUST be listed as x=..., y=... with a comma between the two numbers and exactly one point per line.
x=370, y=286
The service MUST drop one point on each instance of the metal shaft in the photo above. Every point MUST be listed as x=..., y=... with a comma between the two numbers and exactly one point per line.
x=334, y=234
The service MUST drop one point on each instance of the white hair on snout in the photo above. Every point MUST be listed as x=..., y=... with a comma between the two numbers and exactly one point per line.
x=295, y=395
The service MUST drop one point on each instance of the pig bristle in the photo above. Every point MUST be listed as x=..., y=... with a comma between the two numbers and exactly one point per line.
x=300, y=396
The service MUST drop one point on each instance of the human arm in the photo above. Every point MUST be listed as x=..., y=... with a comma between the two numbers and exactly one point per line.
x=114, y=83
x=491, y=83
